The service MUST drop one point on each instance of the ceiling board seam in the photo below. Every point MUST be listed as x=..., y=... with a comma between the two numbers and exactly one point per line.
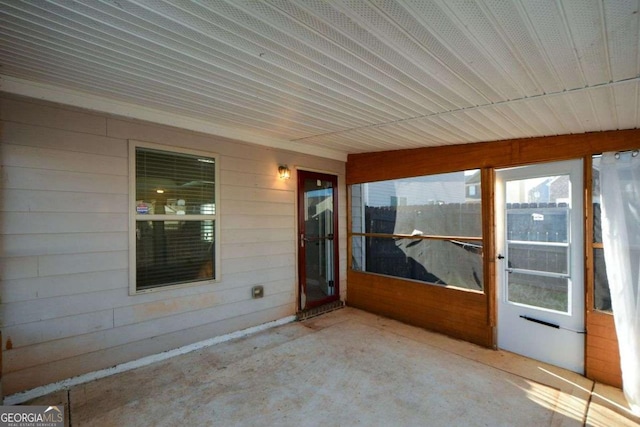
x=434, y=57
x=162, y=86
x=408, y=57
x=595, y=110
x=373, y=102
x=574, y=49
x=86, y=100
x=90, y=85
x=221, y=114
x=218, y=65
x=574, y=112
x=605, y=41
x=514, y=51
x=373, y=80
x=495, y=123
x=447, y=9
x=540, y=118
x=371, y=52
x=536, y=38
x=476, y=126
x=517, y=123
x=354, y=53
x=165, y=84
x=200, y=60
x=508, y=102
x=556, y=117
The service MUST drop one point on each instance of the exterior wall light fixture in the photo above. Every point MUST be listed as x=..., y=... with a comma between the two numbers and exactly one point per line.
x=284, y=172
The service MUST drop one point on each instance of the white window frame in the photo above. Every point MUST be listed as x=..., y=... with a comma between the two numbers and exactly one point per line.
x=133, y=145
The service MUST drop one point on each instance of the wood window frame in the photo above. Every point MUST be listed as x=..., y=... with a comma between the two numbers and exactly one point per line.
x=487, y=156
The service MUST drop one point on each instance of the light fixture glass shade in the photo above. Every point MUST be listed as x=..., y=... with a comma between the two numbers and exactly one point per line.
x=284, y=172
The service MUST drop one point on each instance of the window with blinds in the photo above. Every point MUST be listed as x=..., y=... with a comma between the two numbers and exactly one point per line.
x=175, y=217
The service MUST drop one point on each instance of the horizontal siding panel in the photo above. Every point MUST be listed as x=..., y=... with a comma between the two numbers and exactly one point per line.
x=25, y=357
x=252, y=235
x=93, y=361
x=170, y=307
x=52, y=265
x=49, y=180
x=44, y=158
x=169, y=136
x=18, y=268
x=263, y=166
x=259, y=277
x=230, y=222
x=43, y=223
x=238, y=265
x=237, y=207
x=14, y=110
x=257, y=195
x=250, y=180
x=49, y=307
x=243, y=250
x=21, y=312
x=34, y=136
x=16, y=200
x=55, y=244
x=67, y=285
x=53, y=329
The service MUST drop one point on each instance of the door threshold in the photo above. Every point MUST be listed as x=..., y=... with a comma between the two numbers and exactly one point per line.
x=321, y=309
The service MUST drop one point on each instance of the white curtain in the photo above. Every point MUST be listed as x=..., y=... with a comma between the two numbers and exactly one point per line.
x=620, y=202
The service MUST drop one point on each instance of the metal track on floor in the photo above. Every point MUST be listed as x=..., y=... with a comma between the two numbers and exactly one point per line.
x=322, y=309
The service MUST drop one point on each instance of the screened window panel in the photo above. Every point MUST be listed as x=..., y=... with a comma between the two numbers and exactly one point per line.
x=601, y=292
x=432, y=205
x=390, y=218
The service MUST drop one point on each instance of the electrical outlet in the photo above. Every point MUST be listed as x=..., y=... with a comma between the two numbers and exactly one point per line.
x=257, y=292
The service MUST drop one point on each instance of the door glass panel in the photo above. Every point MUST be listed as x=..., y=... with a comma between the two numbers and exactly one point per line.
x=537, y=244
x=530, y=256
x=539, y=291
x=318, y=239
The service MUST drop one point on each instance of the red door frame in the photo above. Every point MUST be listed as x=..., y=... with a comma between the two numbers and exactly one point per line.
x=302, y=259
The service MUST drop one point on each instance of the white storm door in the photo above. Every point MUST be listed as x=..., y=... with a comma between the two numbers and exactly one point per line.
x=539, y=211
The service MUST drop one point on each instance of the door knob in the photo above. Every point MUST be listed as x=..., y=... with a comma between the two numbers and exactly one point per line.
x=500, y=256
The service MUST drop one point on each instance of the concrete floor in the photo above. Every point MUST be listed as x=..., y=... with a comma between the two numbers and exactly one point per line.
x=343, y=368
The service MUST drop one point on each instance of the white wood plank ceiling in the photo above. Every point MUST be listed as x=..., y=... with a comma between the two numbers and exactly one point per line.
x=346, y=76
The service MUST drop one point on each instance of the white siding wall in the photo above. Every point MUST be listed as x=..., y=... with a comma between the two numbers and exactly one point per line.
x=64, y=237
